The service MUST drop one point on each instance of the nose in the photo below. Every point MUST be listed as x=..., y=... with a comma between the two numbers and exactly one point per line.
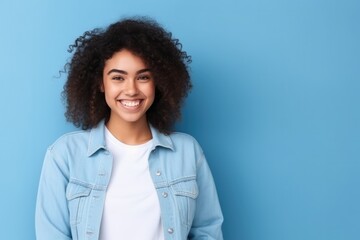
x=131, y=88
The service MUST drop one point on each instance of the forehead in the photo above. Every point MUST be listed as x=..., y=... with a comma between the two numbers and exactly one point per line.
x=125, y=58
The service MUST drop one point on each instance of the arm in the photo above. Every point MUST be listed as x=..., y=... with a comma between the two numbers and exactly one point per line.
x=52, y=215
x=208, y=217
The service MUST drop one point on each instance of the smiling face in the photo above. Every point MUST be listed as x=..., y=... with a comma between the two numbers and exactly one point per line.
x=129, y=88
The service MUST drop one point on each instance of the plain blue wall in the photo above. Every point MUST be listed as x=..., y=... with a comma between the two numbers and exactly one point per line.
x=275, y=106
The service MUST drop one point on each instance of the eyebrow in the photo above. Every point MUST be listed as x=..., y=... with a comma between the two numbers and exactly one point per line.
x=125, y=73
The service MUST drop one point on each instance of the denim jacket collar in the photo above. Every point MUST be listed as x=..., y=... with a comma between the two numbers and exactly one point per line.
x=160, y=139
x=97, y=139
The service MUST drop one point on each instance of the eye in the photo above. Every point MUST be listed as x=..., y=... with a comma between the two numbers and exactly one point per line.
x=117, y=78
x=144, y=77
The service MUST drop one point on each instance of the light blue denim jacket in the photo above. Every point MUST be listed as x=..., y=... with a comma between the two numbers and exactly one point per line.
x=76, y=173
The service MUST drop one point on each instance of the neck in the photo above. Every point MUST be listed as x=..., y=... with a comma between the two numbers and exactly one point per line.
x=131, y=133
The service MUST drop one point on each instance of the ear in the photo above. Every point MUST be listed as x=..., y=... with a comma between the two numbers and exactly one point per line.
x=102, y=88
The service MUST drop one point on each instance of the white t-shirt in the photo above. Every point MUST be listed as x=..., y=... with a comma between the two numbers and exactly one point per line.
x=132, y=209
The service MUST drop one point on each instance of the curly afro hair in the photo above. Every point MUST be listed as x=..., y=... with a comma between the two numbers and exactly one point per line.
x=144, y=37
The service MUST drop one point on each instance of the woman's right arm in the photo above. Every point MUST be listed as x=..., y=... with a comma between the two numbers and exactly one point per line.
x=52, y=215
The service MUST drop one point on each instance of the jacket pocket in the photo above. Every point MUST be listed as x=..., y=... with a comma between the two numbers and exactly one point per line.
x=76, y=195
x=186, y=193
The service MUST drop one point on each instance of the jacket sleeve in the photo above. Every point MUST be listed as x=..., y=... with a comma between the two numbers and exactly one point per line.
x=208, y=216
x=52, y=215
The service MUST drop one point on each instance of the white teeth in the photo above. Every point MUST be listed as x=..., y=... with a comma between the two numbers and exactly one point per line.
x=130, y=103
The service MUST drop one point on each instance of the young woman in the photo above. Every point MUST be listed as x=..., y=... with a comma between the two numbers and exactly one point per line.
x=127, y=175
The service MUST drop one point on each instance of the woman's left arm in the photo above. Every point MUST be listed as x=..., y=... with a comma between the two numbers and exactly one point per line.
x=208, y=216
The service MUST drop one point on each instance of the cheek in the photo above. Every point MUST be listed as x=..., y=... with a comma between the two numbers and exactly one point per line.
x=109, y=93
x=109, y=89
x=108, y=100
x=151, y=93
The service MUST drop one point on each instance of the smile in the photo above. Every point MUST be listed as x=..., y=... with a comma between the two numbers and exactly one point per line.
x=130, y=103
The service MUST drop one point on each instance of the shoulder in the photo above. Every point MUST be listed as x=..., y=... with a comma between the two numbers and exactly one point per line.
x=184, y=141
x=182, y=137
x=70, y=140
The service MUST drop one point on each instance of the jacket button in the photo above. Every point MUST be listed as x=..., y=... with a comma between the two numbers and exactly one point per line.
x=164, y=194
x=158, y=173
x=170, y=230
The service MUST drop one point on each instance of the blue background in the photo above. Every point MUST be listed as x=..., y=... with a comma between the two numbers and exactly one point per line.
x=275, y=106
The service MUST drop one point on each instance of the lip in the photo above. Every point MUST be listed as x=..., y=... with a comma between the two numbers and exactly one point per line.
x=130, y=104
